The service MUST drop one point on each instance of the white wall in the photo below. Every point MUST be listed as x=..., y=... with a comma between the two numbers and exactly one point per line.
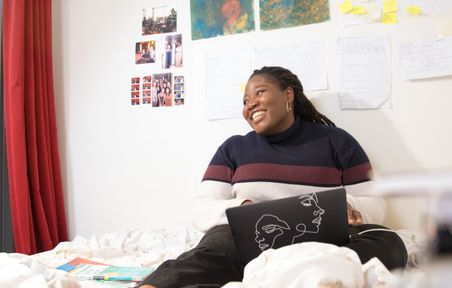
x=137, y=167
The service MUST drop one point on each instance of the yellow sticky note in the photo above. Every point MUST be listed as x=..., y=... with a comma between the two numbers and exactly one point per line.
x=389, y=18
x=242, y=87
x=413, y=10
x=359, y=10
x=390, y=6
x=345, y=6
x=389, y=12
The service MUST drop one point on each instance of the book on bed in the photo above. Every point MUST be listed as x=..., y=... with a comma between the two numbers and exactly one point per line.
x=85, y=269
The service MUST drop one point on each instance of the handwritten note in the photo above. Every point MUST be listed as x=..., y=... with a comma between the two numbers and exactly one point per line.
x=426, y=59
x=306, y=59
x=225, y=74
x=363, y=71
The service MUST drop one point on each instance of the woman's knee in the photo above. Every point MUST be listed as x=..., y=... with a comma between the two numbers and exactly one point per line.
x=371, y=240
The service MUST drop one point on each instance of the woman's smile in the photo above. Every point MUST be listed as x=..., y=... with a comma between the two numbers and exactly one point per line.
x=257, y=116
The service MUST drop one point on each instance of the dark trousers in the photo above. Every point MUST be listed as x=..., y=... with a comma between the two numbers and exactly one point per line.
x=214, y=261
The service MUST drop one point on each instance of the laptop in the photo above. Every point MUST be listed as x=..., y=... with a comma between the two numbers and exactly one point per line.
x=320, y=216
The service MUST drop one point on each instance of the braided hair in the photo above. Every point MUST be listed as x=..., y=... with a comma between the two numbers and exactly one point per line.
x=302, y=105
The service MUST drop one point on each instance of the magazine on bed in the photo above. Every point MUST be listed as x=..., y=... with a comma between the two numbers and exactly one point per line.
x=85, y=269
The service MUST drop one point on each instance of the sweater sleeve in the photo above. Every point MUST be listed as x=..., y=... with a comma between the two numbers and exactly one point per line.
x=210, y=203
x=215, y=193
x=356, y=176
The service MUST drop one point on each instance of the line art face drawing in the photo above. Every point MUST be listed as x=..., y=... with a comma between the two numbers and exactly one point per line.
x=269, y=226
x=311, y=202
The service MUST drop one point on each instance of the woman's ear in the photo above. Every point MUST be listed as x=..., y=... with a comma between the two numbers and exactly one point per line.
x=290, y=94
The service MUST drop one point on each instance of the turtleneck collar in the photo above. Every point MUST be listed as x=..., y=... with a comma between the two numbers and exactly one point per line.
x=288, y=135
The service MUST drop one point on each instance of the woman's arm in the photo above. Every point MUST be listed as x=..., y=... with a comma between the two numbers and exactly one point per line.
x=209, y=205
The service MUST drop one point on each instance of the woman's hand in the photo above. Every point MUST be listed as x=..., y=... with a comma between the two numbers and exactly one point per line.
x=247, y=202
x=354, y=217
x=147, y=286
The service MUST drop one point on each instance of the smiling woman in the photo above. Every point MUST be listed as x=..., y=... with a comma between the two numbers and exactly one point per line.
x=293, y=150
x=266, y=107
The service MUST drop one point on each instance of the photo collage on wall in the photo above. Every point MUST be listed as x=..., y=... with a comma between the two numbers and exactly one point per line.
x=159, y=54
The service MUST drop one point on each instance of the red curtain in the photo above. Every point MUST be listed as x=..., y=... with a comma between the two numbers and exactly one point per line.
x=37, y=204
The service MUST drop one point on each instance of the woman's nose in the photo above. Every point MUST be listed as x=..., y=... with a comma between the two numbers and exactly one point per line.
x=251, y=104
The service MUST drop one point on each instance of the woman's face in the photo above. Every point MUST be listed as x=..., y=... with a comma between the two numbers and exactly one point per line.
x=265, y=106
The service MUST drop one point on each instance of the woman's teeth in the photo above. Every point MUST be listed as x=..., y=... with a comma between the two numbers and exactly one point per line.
x=257, y=115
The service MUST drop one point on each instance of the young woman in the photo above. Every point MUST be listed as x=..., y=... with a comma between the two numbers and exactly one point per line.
x=293, y=150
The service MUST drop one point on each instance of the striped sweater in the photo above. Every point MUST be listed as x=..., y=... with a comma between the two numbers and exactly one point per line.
x=305, y=158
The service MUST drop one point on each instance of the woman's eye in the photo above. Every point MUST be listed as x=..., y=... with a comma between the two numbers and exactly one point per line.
x=259, y=92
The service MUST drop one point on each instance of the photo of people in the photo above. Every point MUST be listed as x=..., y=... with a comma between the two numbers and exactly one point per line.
x=172, y=51
x=159, y=20
x=147, y=83
x=178, y=79
x=135, y=90
x=145, y=52
x=161, y=92
x=179, y=90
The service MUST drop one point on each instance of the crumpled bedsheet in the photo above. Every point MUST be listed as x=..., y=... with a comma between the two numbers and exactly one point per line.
x=298, y=265
x=141, y=247
x=313, y=264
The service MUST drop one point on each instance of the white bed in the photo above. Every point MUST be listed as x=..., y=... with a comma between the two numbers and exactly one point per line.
x=301, y=265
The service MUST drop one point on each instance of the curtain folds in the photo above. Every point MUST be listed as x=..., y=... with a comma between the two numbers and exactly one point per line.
x=37, y=204
x=6, y=235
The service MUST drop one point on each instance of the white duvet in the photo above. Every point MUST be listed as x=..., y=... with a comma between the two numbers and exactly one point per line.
x=301, y=265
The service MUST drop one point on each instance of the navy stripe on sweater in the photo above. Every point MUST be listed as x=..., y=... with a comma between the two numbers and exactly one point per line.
x=307, y=153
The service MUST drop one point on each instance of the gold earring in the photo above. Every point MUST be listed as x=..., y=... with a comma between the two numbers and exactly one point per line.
x=288, y=107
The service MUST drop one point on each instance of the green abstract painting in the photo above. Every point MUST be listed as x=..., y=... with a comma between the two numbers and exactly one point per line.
x=276, y=14
x=216, y=18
